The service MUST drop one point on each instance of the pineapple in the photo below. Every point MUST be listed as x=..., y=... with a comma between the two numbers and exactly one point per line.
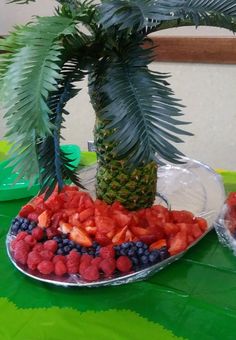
x=137, y=117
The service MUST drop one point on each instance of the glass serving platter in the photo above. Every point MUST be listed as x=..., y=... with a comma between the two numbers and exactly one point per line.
x=190, y=186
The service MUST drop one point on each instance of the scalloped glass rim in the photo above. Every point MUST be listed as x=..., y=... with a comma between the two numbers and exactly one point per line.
x=190, y=186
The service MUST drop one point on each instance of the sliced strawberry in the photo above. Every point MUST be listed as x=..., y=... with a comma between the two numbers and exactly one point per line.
x=121, y=218
x=182, y=216
x=117, y=206
x=91, y=230
x=120, y=236
x=102, y=239
x=78, y=235
x=170, y=228
x=129, y=236
x=178, y=243
x=148, y=239
x=158, y=244
x=64, y=227
x=85, y=214
x=202, y=223
x=55, y=219
x=190, y=239
x=196, y=231
x=138, y=231
x=104, y=224
x=44, y=219
x=74, y=220
x=101, y=208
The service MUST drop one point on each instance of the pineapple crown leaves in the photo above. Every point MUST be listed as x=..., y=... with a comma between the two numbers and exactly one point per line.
x=148, y=15
x=139, y=108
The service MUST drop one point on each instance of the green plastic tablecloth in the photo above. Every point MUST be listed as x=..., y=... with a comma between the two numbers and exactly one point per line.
x=194, y=298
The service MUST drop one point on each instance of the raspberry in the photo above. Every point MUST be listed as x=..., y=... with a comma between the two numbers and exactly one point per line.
x=60, y=268
x=38, y=247
x=108, y=266
x=46, y=254
x=13, y=244
x=33, y=217
x=107, y=252
x=123, y=264
x=51, y=232
x=91, y=273
x=50, y=245
x=33, y=260
x=21, y=251
x=30, y=240
x=73, y=262
x=45, y=267
x=96, y=261
x=57, y=258
x=21, y=235
x=38, y=233
x=85, y=258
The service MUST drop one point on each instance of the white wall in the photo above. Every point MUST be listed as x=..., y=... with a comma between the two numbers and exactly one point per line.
x=208, y=91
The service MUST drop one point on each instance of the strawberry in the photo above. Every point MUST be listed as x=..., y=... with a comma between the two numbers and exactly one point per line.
x=182, y=216
x=91, y=273
x=78, y=235
x=33, y=260
x=107, y=252
x=64, y=227
x=55, y=219
x=108, y=266
x=102, y=239
x=30, y=240
x=123, y=264
x=38, y=233
x=85, y=261
x=202, y=223
x=196, y=231
x=74, y=220
x=121, y=218
x=158, y=244
x=85, y=214
x=26, y=210
x=104, y=224
x=60, y=268
x=170, y=228
x=231, y=199
x=50, y=245
x=44, y=219
x=178, y=243
x=120, y=236
x=45, y=267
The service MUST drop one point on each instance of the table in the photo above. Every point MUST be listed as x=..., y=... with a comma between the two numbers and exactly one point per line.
x=191, y=299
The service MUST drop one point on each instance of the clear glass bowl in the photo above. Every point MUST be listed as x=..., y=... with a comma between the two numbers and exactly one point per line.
x=190, y=186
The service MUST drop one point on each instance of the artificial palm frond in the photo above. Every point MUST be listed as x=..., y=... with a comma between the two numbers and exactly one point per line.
x=141, y=14
x=55, y=165
x=31, y=71
x=138, y=100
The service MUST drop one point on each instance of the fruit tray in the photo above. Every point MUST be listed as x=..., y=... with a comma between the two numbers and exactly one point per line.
x=191, y=186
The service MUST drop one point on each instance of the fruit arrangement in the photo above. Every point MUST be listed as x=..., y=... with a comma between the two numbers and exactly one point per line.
x=70, y=233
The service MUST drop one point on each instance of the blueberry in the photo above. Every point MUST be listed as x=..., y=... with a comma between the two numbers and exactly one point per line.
x=95, y=244
x=59, y=252
x=144, y=259
x=164, y=254
x=139, y=244
x=14, y=229
x=140, y=251
x=65, y=241
x=78, y=247
x=60, y=244
x=71, y=244
x=24, y=226
x=135, y=261
x=30, y=227
x=123, y=252
x=146, y=252
x=154, y=256
x=131, y=252
x=145, y=246
x=57, y=239
x=125, y=245
x=66, y=249
x=83, y=250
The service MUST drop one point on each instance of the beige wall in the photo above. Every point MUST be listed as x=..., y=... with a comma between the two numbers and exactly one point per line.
x=208, y=91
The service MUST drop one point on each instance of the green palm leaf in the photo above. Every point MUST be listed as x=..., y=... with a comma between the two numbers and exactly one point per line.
x=137, y=100
x=141, y=14
x=31, y=72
